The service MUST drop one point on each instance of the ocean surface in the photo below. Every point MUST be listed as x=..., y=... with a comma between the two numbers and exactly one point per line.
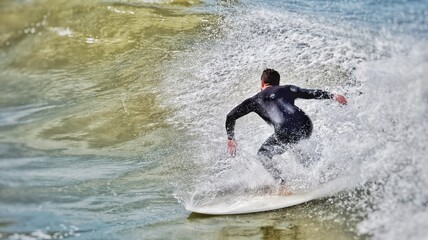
x=112, y=117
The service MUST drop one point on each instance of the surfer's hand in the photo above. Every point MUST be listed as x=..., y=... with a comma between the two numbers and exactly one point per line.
x=340, y=99
x=231, y=147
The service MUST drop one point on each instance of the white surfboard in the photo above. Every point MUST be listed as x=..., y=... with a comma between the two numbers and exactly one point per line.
x=242, y=204
x=251, y=204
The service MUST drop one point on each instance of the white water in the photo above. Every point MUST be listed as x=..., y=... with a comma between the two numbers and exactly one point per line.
x=394, y=144
x=379, y=139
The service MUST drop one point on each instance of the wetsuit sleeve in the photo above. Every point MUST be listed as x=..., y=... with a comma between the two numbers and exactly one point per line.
x=242, y=109
x=310, y=93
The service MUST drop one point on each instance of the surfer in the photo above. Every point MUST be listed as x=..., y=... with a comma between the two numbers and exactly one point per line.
x=275, y=105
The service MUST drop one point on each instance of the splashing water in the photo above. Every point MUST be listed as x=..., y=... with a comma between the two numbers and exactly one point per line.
x=379, y=140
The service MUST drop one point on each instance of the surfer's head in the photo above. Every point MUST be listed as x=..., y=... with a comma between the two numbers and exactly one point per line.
x=270, y=77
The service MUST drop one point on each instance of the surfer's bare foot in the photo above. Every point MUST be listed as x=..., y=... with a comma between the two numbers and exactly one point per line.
x=284, y=191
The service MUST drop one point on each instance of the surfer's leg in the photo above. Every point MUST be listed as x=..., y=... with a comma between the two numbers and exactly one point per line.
x=304, y=132
x=272, y=146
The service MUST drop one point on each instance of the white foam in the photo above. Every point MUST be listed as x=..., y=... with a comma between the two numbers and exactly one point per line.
x=395, y=112
x=379, y=139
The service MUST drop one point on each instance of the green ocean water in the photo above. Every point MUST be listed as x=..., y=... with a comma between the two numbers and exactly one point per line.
x=83, y=137
x=89, y=71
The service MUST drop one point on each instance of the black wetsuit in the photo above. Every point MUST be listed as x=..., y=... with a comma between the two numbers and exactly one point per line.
x=275, y=105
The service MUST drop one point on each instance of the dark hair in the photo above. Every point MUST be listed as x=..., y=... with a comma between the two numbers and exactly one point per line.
x=270, y=77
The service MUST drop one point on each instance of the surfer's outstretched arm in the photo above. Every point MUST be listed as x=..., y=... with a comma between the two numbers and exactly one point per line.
x=317, y=94
x=241, y=110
